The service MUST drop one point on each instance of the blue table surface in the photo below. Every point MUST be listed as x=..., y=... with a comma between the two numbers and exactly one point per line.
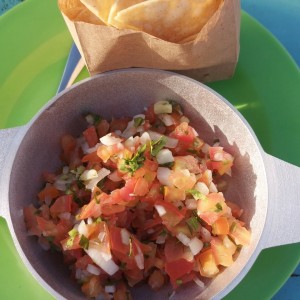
x=282, y=19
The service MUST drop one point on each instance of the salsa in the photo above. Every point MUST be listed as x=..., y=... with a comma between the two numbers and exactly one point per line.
x=139, y=199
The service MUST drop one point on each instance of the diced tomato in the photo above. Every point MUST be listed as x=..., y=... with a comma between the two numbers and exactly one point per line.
x=61, y=205
x=239, y=234
x=156, y=280
x=221, y=254
x=182, y=180
x=231, y=246
x=102, y=128
x=92, y=288
x=91, y=157
x=178, y=268
x=49, y=192
x=91, y=136
x=67, y=245
x=173, y=194
x=184, y=133
x=30, y=213
x=93, y=209
x=68, y=144
x=207, y=264
x=172, y=216
x=235, y=209
x=154, y=193
x=220, y=226
x=127, y=191
x=83, y=262
x=119, y=124
x=150, y=115
x=188, y=162
x=141, y=187
x=173, y=250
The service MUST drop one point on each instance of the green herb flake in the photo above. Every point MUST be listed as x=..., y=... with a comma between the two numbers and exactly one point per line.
x=138, y=121
x=206, y=244
x=193, y=223
x=72, y=234
x=93, y=119
x=232, y=227
x=84, y=242
x=38, y=212
x=179, y=282
x=175, y=106
x=218, y=207
x=197, y=195
x=122, y=265
x=163, y=232
x=156, y=146
x=168, y=165
x=98, y=220
x=136, y=162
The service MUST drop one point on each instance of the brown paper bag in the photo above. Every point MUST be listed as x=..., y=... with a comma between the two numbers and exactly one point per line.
x=211, y=56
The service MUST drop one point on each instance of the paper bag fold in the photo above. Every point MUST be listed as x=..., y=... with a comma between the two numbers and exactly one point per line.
x=213, y=55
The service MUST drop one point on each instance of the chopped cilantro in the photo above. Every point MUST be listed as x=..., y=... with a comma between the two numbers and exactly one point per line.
x=93, y=119
x=156, y=146
x=72, y=234
x=218, y=207
x=138, y=121
x=98, y=220
x=193, y=223
x=197, y=195
x=100, y=184
x=168, y=165
x=206, y=244
x=84, y=242
x=179, y=282
x=134, y=163
x=175, y=106
x=37, y=212
x=163, y=232
x=122, y=265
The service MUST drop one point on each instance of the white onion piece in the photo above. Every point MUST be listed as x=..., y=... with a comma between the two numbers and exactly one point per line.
x=213, y=188
x=90, y=221
x=93, y=269
x=145, y=137
x=205, y=235
x=199, y=282
x=170, y=142
x=161, y=239
x=101, y=236
x=101, y=174
x=191, y=204
x=186, y=172
x=205, y=148
x=150, y=231
x=202, y=188
x=88, y=175
x=164, y=156
x=92, y=149
x=131, y=129
x=125, y=236
x=99, y=258
x=184, y=119
x=82, y=228
x=160, y=210
x=195, y=245
x=194, y=131
x=163, y=175
x=162, y=107
x=183, y=238
x=110, y=289
x=139, y=259
x=166, y=119
x=110, y=140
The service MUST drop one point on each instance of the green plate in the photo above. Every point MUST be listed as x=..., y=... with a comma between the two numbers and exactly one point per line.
x=266, y=88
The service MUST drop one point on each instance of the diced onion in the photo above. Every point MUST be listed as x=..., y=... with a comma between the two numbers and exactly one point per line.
x=163, y=175
x=195, y=245
x=92, y=149
x=162, y=107
x=184, y=119
x=161, y=239
x=185, y=172
x=139, y=259
x=125, y=236
x=205, y=148
x=110, y=289
x=93, y=269
x=82, y=228
x=183, y=238
x=90, y=221
x=194, y=132
x=99, y=258
x=109, y=140
x=164, y=156
x=160, y=210
x=191, y=204
x=167, y=119
x=101, y=174
x=89, y=174
x=170, y=142
x=199, y=282
x=205, y=235
x=202, y=188
x=213, y=188
x=145, y=137
x=101, y=236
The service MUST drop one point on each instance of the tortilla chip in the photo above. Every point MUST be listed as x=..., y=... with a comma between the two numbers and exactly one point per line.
x=100, y=8
x=170, y=20
x=74, y=10
x=117, y=6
